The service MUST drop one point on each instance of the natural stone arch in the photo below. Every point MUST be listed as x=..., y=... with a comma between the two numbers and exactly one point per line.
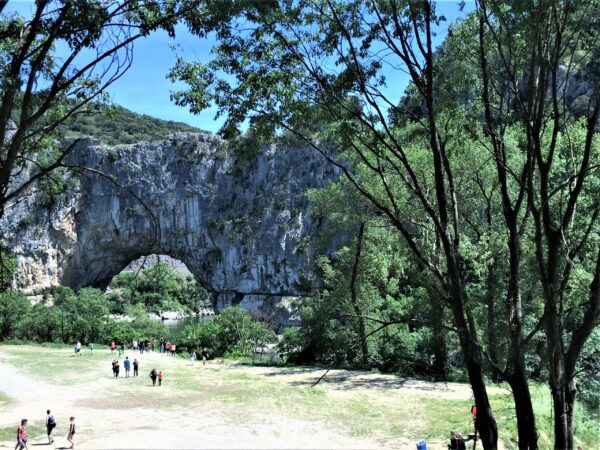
x=239, y=224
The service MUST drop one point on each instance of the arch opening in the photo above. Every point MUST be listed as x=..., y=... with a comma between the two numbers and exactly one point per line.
x=161, y=285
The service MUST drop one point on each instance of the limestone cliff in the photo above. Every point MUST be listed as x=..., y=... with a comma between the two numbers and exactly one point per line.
x=239, y=224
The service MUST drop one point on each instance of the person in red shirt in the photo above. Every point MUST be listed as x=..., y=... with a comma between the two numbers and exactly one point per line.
x=22, y=436
x=160, y=377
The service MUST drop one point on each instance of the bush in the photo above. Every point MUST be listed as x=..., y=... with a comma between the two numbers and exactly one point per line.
x=233, y=331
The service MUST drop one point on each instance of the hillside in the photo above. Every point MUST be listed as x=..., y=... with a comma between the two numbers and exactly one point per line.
x=117, y=125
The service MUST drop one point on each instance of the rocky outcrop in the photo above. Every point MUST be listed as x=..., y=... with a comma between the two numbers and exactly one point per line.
x=239, y=223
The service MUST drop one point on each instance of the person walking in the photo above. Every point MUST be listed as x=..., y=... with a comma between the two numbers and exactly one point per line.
x=204, y=356
x=153, y=344
x=160, y=378
x=127, y=365
x=168, y=347
x=50, y=425
x=162, y=345
x=78, y=347
x=22, y=436
x=193, y=357
x=153, y=376
x=71, y=435
x=91, y=347
x=112, y=347
x=117, y=368
x=135, y=367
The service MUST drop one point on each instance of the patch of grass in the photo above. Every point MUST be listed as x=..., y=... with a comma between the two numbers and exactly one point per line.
x=5, y=400
x=57, y=366
x=587, y=431
x=35, y=430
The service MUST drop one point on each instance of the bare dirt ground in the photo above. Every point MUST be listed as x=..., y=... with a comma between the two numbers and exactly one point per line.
x=217, y=406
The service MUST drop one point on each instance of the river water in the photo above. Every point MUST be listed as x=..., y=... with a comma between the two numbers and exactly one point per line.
x=176, y=326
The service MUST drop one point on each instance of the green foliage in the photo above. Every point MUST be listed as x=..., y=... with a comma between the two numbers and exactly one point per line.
x=13, y=307
x=8, y=265
x=64, y=316
x=232, y=332
x=114, y=125
x=158, y=288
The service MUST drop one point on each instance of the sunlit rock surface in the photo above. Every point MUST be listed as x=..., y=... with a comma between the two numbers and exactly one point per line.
x=239, y=223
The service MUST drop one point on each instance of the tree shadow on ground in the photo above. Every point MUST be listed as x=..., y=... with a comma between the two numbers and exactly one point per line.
x=344, y=380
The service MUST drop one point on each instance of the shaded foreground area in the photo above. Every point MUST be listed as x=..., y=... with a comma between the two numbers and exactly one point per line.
x=223, y=405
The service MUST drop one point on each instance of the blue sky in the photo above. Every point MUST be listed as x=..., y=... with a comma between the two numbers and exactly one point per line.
x=145, y=89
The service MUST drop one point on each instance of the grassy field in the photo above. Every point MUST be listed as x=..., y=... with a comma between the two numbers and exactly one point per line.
x=385, y=410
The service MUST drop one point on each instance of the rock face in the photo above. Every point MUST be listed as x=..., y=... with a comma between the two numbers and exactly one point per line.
x=239, y=224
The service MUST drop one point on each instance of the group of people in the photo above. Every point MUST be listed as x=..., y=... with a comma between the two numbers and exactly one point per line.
x=116, y=367
x=77, y=348
x=167, y=347
x=50, y=426
x=154, y=376
x=145, y=345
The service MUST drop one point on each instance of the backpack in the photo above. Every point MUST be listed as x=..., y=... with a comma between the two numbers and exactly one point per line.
x=51, y=420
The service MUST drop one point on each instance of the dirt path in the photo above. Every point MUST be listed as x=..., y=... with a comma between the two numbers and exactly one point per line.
x=109, y=418
x=217, y=406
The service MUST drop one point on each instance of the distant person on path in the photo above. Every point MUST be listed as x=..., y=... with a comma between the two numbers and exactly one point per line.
x=204, y=356
x=78, y=347
x=22, y=436
x=173, y=349
x=127, y=365
x=50, y=425
x=160, y=377
x=168, y=347
x=91, y=347
x=153, y=344
x=153, y=376
x=135, y=367
x=162, y=345
x=134, y=344
x=112, y=347
x=193, y=357
x=141, y=346
x=71, y=435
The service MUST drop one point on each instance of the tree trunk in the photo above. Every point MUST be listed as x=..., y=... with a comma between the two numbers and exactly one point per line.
x=485, y=422
x=491, y=319
x=524, y=411
x=440, y=356
x=362, y=333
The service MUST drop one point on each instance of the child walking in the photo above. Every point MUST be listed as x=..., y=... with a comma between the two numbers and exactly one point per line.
x=71, y=435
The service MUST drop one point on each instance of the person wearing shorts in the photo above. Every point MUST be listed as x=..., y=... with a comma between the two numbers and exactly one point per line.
x=50, y=425
x=136, y=366
x=22, y=436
